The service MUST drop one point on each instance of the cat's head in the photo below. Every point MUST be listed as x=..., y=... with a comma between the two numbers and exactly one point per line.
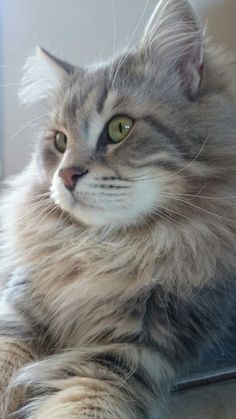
x=124, y=137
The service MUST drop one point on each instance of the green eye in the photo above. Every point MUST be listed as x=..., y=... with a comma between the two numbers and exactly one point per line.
x=60, y=141
x=119, y=128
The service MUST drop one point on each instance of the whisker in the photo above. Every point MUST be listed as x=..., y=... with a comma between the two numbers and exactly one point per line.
x=27, y=124
x=176, y=212
x=124, y=57
x=44, y=209
x=48, y=213
x=133, y=33
x=176, y=172
x=41, y=195
x=195, y=158
x=164, y=216
x=120, y=63
x=114, y=27
x=131, y=179
x=202, y=196
x=197, y=207
x=146, y=223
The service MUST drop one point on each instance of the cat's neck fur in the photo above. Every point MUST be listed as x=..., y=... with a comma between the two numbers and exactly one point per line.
x=179, y=254
x=75, y=272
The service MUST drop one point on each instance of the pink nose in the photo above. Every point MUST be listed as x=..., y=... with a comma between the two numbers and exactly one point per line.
x=71, y=175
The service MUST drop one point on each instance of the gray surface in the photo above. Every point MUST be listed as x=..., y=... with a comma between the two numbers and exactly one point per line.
x=216, y=359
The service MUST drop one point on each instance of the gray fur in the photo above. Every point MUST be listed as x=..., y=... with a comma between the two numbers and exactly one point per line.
x=116, y=289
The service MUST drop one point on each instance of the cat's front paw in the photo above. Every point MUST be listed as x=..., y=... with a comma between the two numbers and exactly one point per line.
x=83, y=402
x=13, y=355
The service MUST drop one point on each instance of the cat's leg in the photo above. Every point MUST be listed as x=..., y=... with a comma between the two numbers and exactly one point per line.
x=16, y=350
x=87, y=398
x=104, y=387
x=14, y=353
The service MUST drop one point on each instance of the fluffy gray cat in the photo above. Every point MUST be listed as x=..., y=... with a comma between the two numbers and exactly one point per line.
x=118, y=239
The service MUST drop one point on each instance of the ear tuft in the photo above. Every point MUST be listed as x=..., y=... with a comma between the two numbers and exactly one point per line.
x=42, y=74
x=174, y=39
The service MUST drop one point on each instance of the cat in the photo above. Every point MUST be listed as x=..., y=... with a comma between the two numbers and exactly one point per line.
x=118, y=239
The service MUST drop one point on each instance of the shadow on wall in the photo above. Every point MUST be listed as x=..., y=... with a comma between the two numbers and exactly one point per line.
x=221, y=18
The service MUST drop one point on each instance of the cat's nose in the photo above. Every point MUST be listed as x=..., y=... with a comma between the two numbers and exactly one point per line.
x=71, y=175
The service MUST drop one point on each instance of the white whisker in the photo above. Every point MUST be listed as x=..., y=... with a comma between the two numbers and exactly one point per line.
x=196, y=207
x=175, y=212
x=26, y=125
x=174, y=173
x=163, y=216
x=201, y=196
x=114, y=27
x=138, y=24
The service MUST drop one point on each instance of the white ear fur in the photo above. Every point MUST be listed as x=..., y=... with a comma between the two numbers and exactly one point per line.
x=42, y=73
x=174, y=37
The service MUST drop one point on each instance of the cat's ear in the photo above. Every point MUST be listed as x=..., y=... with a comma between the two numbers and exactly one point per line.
x=174, y=39
x=42, y=73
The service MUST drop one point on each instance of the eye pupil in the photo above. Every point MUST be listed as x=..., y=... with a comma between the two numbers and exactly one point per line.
x=119, y=128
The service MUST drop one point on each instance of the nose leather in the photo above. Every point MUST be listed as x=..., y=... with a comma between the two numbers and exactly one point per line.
x=71, y=175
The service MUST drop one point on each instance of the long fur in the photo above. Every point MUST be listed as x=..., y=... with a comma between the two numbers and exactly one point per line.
x=106, y=296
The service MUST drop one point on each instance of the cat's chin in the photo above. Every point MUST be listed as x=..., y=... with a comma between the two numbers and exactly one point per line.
x=102, y=212
x=93, y=215
x=97, y=217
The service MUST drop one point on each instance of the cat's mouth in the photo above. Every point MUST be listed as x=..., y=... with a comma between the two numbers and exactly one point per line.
x=102, y=200
x=84, y=206
x=78, y=201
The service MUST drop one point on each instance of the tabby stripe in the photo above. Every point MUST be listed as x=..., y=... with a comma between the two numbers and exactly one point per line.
x=165, y=164
x=102, y=99
x=190, y=151
x=12, y=330
x=176, y=140
x=115, y=363
x=118, y=365
x=87, y=92
x=15, y=349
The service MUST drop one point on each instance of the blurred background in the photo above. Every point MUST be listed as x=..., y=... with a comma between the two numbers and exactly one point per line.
x=80, y=31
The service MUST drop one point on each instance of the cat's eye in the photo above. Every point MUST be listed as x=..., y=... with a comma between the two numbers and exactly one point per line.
x=119, y=127
x=60, y=141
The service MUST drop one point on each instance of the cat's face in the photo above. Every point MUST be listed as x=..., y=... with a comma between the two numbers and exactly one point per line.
x=117, y=139
x=109, y=151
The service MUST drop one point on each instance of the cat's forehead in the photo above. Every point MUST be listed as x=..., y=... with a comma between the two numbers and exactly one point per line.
x=122, y=86
x=103, y=90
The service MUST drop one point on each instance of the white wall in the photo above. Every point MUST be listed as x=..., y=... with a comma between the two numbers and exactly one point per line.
x=82, y=31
